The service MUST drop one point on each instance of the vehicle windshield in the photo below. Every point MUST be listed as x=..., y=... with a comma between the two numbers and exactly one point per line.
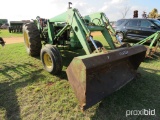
x=119, y=22
x=157, y=22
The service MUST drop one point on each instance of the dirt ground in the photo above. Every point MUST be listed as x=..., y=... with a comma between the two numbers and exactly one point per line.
x=12, y=40
x=96, y=33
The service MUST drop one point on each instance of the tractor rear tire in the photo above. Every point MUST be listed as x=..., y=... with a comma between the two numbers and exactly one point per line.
x=32, y=39
x=51, y=59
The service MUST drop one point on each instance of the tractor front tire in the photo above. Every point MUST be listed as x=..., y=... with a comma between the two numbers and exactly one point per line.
x=32, y=39
x=51, y=59
x=99, y=45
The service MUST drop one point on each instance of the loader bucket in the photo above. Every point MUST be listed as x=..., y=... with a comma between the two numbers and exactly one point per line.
x=95, y=76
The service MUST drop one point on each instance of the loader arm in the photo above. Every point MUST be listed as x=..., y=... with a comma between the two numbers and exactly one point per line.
x=100, y=20
x=74, y=21
x=81, y=29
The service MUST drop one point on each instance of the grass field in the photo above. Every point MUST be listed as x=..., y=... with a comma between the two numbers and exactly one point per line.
x=28, y=92
x=5, y=34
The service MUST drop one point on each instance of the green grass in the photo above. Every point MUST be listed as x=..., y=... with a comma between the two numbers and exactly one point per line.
x=5, y=34
x=28, y=92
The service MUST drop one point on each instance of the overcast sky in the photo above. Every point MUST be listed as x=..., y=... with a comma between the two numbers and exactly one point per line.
x=29, y=9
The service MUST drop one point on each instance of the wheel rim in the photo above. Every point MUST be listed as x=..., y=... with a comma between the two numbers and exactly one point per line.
x=26, y=39
x=120, y=35
x=48, y=61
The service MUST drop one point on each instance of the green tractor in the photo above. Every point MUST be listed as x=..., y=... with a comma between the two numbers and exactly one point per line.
x=92, y=76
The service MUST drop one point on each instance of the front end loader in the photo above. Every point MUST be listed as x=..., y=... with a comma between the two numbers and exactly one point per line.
x=92, y=76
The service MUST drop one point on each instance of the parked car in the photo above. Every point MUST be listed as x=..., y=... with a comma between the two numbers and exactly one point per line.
x=136, y=29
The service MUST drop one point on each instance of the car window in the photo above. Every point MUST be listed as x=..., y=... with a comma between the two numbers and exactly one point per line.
x=119, y=22
x=145, y=23
x=157, y=22
x=132, y=23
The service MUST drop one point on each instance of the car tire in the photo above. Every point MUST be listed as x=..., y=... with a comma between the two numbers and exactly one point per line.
x=121, y=36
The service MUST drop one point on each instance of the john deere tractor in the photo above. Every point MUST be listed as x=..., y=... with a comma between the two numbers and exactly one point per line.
x=94, y=75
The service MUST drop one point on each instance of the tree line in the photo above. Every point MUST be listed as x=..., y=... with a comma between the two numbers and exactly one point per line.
x=154, y=14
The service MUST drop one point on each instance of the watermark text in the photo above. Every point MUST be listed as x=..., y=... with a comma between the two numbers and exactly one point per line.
x=141, y=112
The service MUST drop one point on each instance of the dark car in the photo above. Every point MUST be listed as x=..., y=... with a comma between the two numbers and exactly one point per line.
x=136, y=29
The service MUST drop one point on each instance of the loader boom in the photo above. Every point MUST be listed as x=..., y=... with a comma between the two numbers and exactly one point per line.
x=73, y=20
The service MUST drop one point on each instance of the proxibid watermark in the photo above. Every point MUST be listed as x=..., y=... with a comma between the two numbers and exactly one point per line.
x=140, y=112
